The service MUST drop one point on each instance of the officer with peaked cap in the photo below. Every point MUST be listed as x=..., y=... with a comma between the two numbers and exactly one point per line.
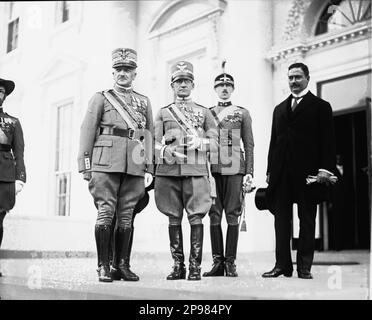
x=184, y=133
x=233, y=167
x=12, y=167
x=116, y=157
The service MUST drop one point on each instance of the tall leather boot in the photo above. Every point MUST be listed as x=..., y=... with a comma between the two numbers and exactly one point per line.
x=176, y=247
x=123, y=244
x=218, y=267
x=102, y=235
x=231, y=248
x=112, y=242
x=196, y=251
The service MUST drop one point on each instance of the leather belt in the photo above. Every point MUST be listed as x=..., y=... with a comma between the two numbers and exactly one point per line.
x=126, y=133
x=5, y=147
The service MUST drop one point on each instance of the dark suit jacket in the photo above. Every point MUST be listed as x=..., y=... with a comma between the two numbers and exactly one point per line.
x=302, y=142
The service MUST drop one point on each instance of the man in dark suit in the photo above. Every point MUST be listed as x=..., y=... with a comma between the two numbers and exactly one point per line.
x=302, y=144
x=12, y=167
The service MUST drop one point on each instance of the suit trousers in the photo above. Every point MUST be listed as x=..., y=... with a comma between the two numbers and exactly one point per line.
x=116, y=193
x=283, y=226
x=229, y=198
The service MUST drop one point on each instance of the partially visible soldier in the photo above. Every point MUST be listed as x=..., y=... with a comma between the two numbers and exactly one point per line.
x=12, y=166
x=233, y=168
x=116, y=156
x=184, y=133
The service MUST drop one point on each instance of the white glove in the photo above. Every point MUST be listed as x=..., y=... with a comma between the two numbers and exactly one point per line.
x=248, y=183
x=193, y=142
x=148, y=179
x=18, y=186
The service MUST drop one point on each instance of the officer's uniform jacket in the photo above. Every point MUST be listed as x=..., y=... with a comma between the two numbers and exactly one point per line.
x=110, y=152
x=12, y=166
x=168, y=132
x=235, y=130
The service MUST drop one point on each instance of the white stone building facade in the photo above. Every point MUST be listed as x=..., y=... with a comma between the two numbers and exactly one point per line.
x=59, y=54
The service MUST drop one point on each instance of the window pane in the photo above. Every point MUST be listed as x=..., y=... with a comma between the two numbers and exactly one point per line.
x=63, y=157
x=347, y=93
x=12, y=35
x=341, y=14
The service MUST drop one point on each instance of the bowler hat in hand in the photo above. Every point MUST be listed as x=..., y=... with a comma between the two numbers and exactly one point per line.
x=260, y=199
x=144, y=201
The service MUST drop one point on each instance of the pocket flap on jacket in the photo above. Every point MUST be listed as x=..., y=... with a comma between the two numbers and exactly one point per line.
x=103, y=143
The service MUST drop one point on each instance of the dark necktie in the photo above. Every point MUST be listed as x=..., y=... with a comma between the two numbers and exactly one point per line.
x=295, y=102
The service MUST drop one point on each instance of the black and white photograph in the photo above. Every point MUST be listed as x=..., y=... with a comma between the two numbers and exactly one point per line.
x=192, y=153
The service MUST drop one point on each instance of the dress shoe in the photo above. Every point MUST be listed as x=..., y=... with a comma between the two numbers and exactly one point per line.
x=304, y=274
x=218, y=270
x=276, y=272
x=230, y=268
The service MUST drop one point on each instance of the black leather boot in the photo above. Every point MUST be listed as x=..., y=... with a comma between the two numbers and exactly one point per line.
x=176, y=247
x=112, y=242
x=123, y=246
x=196, y=251
x=102, y=235
x=218, y=267
x=231, y=248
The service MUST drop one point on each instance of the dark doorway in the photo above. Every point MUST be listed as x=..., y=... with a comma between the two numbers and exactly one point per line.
x=348, y=213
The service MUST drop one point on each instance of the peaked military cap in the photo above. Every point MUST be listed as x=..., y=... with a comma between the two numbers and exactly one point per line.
x=224, y=78
x=182, y=70
x=9, y=86
x=124, y=57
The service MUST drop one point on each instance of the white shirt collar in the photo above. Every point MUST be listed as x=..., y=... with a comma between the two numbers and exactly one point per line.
x=185, y=99
x=302, y=93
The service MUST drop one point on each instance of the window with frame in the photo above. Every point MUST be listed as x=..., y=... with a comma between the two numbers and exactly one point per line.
x=13, y=27
x=63, y=11
x=63, y=159
x=339, y=14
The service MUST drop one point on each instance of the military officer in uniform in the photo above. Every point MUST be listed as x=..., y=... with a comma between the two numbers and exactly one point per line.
x=116, y=157
x=184, y=133
x=12, y=167
x=233, y=168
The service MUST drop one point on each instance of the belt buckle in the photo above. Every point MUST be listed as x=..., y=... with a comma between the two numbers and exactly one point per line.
x=131, y=134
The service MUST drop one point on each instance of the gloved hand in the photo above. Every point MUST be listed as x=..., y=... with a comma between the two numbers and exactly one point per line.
x=87, y=176
x=193, y=142
x=148, y=179
x=323, y=177
x=18, y=186
x=268, y=178
x=248, y=183
x=170, y=154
